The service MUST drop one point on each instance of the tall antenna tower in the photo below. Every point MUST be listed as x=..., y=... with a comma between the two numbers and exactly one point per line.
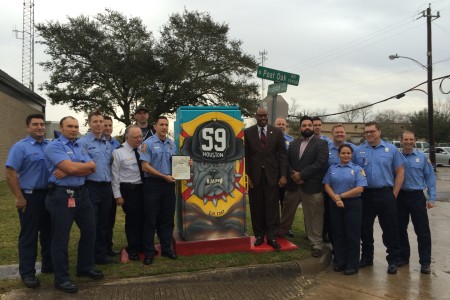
x=263, y=59
x=27, y=44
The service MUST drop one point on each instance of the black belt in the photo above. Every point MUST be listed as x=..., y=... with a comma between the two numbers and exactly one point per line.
x=31, y=191
x=74, y=188
x=411, y=191
x=98, y=182
x=130, y=186
x=384, y=188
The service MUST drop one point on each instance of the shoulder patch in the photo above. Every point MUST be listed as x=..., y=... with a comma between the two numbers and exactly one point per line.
x=362, y=172
x=144, y=147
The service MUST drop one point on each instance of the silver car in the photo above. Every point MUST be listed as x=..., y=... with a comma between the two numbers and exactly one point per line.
x=442, y=156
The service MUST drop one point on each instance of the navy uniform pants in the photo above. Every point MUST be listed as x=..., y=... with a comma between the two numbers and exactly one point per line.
x=62, y=219
x=35, y=224
x=380, y=202
x=133, y=195
x=110, y=228
x=159, y=210
x=346, y=224
x=414, y=203
x=100, y=194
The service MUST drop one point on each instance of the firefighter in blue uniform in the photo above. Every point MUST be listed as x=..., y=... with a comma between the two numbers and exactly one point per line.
x=384, y=168
x=344, y=183
x=68, y=201
x=27, y=176
x=411, y=201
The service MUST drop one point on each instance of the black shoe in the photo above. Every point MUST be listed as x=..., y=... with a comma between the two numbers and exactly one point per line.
x=274, y=244
x=316, y=253
x=133, y=256
x=105, y=261
x=350, y=271
x=392, y=269
x=169, y=254
x=31, y=282
x=113, y=253
x=365, y=262
x=402, y=263
x=326, y=239
x=258, y=241
x=338, y=269
x=66, y=287
x=425, y=269
x=290, y=234
x=148, y=259
x=93, y=274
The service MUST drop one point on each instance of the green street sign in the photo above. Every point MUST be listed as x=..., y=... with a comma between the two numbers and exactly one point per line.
x=277, y=76
x=276, y=88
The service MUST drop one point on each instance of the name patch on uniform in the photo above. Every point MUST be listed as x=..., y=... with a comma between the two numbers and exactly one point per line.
x=386, y=149
x=417, y=159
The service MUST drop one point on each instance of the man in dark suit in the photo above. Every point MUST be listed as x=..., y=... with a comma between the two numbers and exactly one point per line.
x=308, y=162
x=266, y=166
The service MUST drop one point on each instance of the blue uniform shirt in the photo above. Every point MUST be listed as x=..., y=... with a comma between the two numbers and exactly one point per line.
x=100, y=151
x=158, y=154
x=61, y=149
x=325, y=138
x=114, y=143
x=288, y=139
x=419, y=174
x=333, y=153
x=379, y=163
x=343, y=178
x=27, y=158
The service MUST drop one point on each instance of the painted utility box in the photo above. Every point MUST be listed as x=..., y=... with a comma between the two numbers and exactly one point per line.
x=211, y=204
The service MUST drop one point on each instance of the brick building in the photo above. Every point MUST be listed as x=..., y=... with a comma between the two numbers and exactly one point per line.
x=16, y=103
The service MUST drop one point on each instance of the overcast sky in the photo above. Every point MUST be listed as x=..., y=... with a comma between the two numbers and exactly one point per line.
x=339, y=48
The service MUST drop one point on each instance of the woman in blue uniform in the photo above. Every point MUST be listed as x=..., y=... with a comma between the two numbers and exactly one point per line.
x=344, y=182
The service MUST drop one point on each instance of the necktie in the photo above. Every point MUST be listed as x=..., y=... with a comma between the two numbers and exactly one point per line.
x=262, y=137
x=136, y=153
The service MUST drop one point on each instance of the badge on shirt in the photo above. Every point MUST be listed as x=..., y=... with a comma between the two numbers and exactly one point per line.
x=362, y=172
x=352, y=172
x=417, y=159
x=386, y=149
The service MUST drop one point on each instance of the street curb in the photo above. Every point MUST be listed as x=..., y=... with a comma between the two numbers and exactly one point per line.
x=308, y=266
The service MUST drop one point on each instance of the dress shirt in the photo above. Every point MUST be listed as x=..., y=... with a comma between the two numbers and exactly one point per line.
x=379, y=163
x=303, y=145
x=100, y=150
x=419, y=174
x=124, y=168
x=61, y=149
x=27, y=158
x=158, y=153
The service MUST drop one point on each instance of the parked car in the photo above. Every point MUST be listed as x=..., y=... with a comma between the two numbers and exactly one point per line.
x=421, y=146
x=442, y=156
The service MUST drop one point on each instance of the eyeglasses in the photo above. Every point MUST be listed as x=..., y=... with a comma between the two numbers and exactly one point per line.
x=262, y=115
x=370, y=132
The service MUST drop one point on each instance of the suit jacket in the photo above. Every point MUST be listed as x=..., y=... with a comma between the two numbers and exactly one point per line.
x=272, y=156
x=312, y=165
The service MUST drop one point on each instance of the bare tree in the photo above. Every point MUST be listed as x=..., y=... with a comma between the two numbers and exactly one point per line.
x=349, y=112
x=364, y=112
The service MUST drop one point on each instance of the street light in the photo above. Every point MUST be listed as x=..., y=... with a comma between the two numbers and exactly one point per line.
x=429, y=70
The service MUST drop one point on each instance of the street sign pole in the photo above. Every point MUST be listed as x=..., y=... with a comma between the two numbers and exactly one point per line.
x=274, y=108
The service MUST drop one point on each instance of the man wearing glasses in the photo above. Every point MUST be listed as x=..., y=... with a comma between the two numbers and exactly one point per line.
x=384, y=168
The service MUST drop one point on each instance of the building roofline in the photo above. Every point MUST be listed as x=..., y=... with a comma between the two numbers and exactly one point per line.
x=20, y=88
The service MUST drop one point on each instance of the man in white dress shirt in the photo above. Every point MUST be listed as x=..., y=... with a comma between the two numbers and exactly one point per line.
x=127, y=185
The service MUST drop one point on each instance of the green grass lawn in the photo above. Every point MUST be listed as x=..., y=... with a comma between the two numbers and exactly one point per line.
x=9, y=231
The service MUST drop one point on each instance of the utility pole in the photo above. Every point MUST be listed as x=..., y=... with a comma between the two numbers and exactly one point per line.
x=427, y=14
x=263, y=59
